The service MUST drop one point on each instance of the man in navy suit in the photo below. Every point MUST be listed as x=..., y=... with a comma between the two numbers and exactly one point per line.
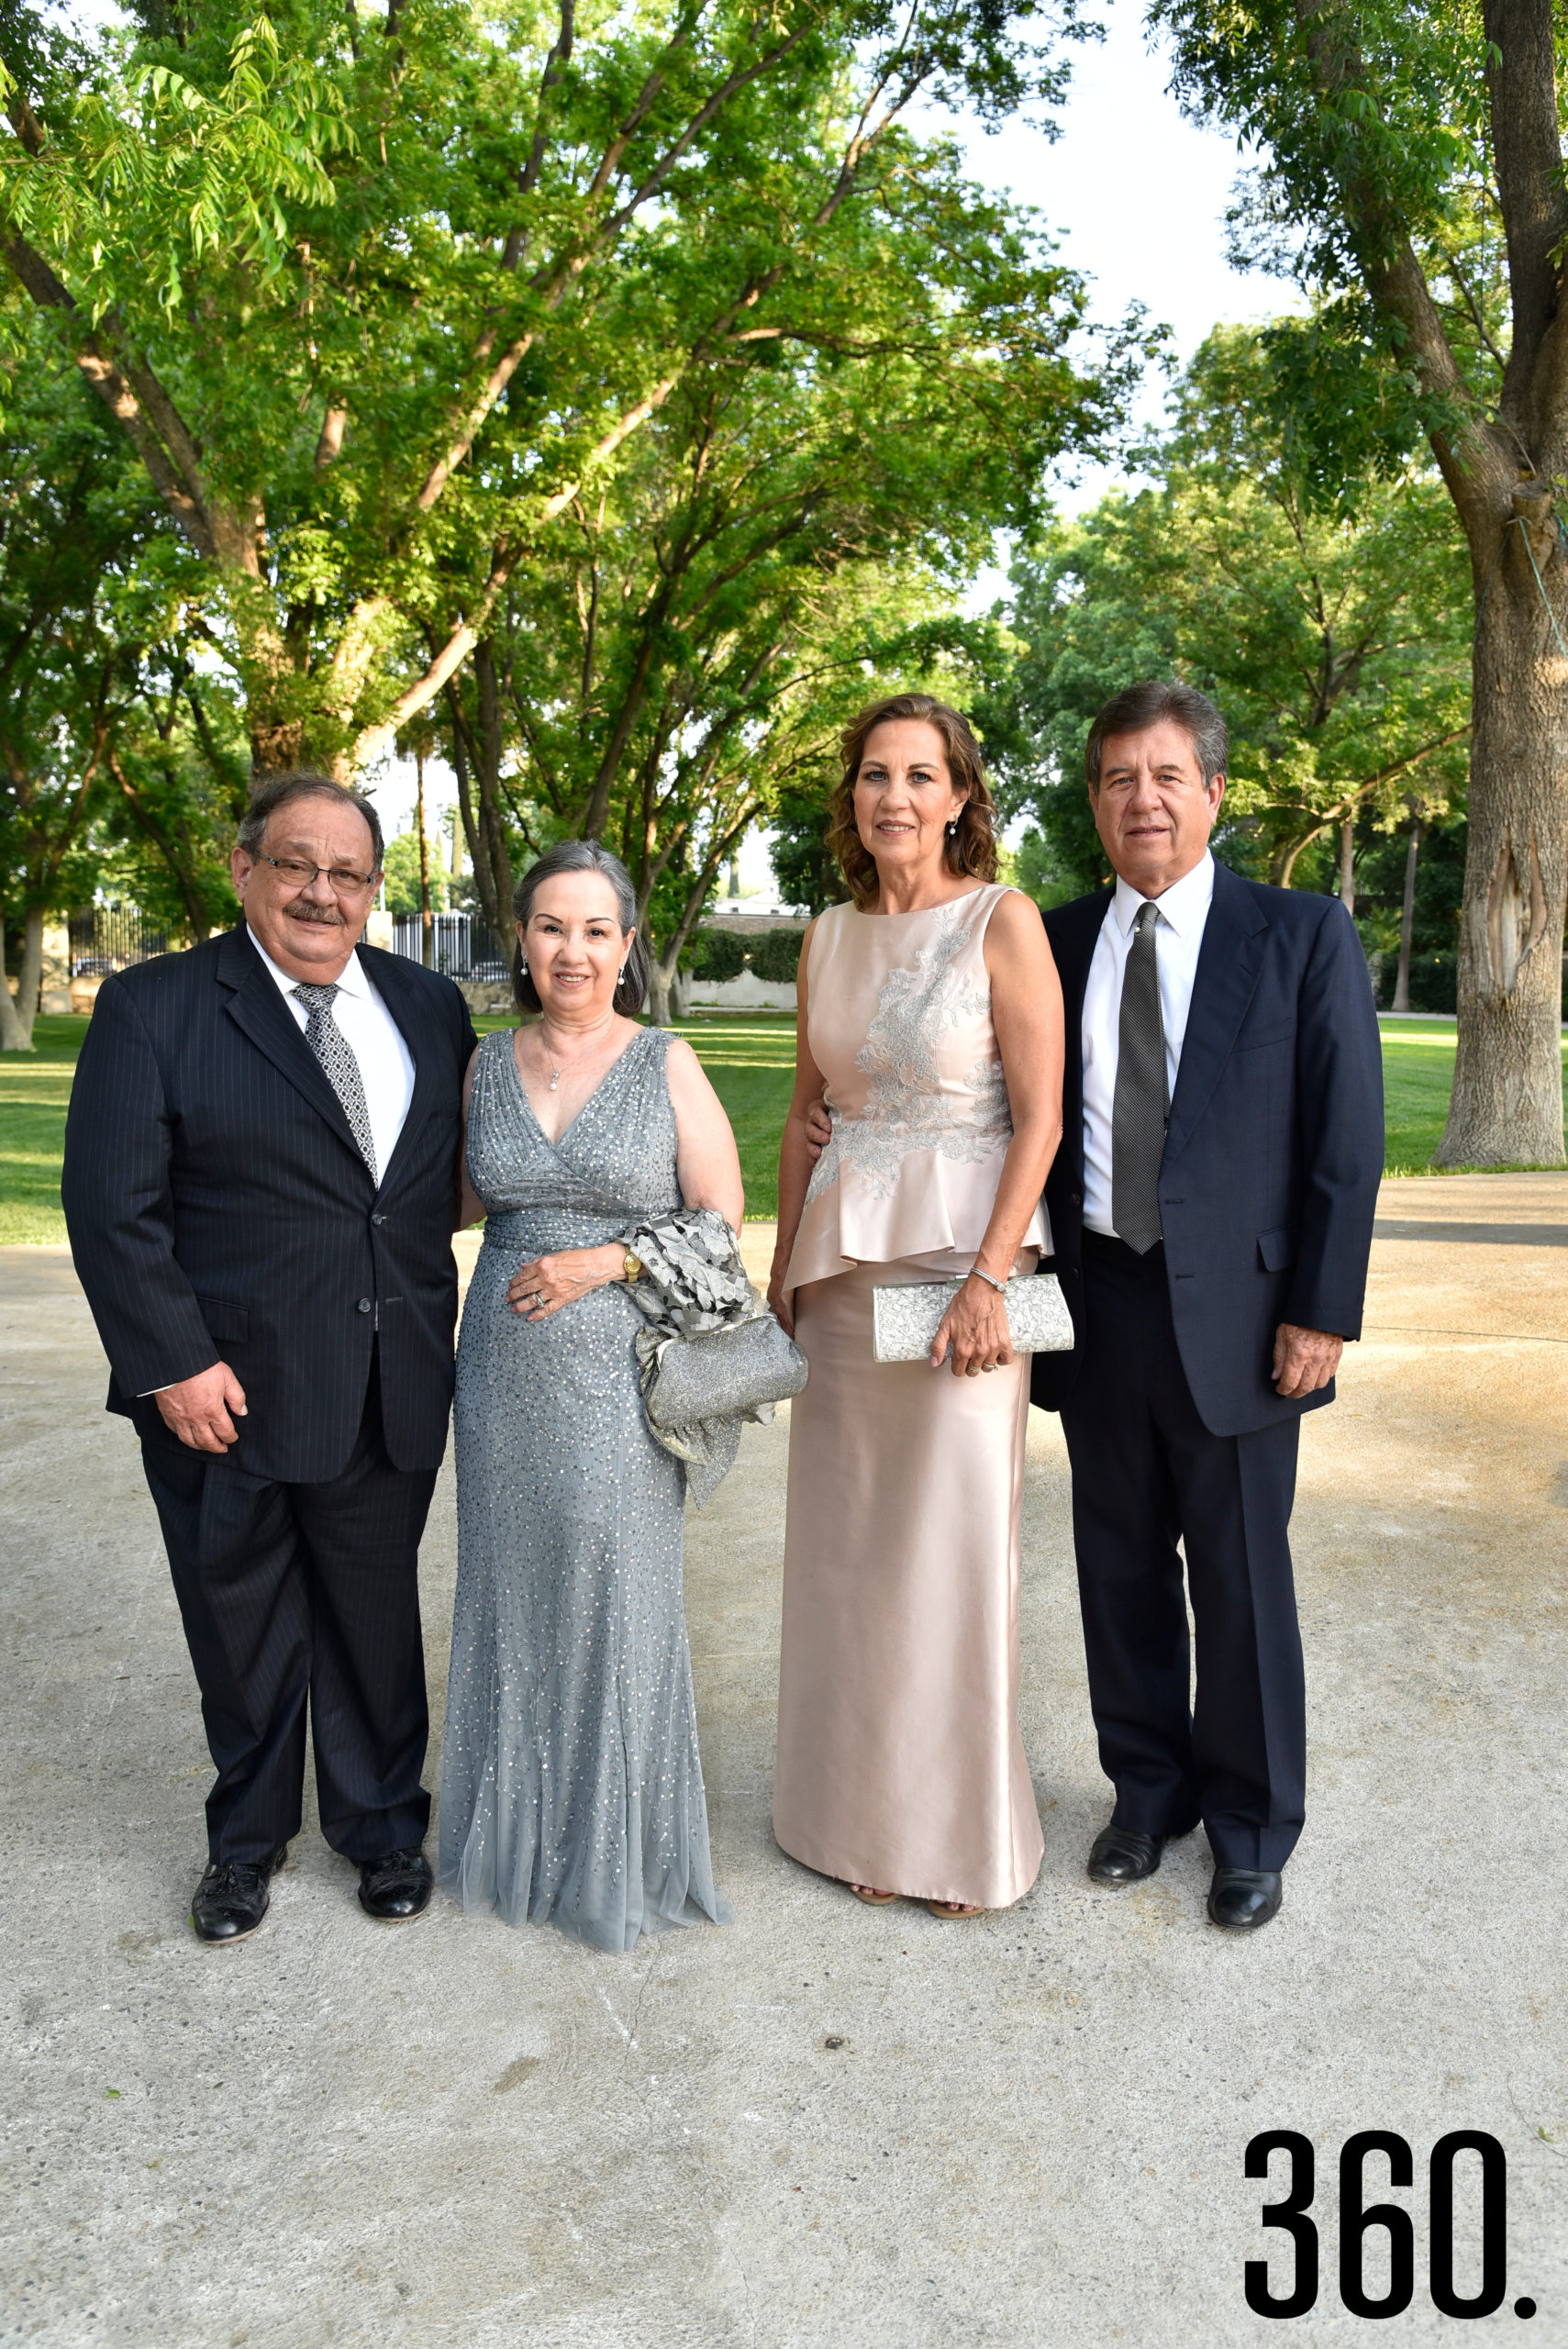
x=1211, y=1211
x=260, y=1184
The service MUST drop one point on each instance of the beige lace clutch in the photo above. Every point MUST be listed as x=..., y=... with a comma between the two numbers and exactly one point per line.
x=904, y=1321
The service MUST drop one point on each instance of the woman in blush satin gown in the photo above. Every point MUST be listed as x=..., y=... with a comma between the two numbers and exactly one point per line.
x=930, y=1017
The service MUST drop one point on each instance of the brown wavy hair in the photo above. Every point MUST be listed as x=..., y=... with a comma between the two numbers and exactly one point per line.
x=971, y=849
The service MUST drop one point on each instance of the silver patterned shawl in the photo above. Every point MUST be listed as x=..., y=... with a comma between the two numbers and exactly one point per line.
x=693, y=1280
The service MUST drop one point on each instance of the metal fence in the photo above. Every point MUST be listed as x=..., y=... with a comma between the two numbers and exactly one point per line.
x=106, y=938
x=464, y=946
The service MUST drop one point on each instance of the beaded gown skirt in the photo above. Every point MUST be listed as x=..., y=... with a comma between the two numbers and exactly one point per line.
x=572, y=1789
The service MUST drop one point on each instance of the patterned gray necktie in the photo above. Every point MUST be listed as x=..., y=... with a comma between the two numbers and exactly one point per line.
x=335, y=1052
x=1139, y=1109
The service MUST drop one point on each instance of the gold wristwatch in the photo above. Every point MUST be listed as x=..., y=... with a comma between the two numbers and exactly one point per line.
x=632, y=1268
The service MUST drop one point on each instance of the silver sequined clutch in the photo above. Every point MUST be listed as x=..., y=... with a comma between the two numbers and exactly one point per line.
x=717, y=1372
x=904, y=1321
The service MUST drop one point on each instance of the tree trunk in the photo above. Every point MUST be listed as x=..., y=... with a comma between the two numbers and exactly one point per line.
x=660, y=989
x=492, y=750
x=1407, y=921
x=1507, y=1108
x=1348, y=865
x=1282, y=867
x=17, y=1018
x=494, y=891
x=425, y=940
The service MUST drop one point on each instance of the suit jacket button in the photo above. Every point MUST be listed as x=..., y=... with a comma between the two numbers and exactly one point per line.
x=1076, y=1197
x=378, y=1219
x=364, y=1304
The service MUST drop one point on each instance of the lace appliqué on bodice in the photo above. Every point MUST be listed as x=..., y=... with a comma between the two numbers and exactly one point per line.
x=907, y=1108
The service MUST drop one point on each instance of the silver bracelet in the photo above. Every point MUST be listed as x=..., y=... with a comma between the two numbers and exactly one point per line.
x=1000, y=1287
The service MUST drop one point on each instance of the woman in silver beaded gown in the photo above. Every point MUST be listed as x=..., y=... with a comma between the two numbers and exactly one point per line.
x=572, y=1789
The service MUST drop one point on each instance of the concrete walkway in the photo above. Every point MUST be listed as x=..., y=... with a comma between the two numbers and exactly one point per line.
x=822, y=2125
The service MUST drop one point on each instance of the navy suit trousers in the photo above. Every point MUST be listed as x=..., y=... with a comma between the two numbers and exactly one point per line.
x=1146, y=1474
x=304, y=1593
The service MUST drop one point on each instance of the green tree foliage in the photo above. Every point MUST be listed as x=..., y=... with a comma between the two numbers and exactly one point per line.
x=599, y=387
x=708, y=625
x=1333, y=636
x=1414, y=182
x=115, y=748
x=401, y=889
x=716, y=954
x=379, y=301
x=775, y=955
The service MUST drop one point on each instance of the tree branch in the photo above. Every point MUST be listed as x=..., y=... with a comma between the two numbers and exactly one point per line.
x=1521, y=76
x=733, y=83
x=495, y=384
x=1480, y=469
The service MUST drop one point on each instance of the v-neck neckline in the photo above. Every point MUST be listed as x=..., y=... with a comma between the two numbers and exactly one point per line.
x=576, y=1119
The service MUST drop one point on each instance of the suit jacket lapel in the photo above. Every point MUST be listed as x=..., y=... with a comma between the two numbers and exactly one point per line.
x=257, y=1007
x=1074, y=940
x=1223, y=985
x=403, y=997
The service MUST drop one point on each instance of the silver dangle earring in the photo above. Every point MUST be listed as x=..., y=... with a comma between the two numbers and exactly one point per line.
x=953, y=827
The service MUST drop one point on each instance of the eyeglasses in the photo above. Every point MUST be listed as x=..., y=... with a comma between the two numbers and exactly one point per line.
x=300, y=874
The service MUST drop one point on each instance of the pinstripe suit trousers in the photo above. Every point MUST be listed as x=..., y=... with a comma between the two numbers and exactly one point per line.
x=296, y=1597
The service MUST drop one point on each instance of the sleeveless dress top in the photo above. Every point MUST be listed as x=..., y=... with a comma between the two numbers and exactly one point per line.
x=898, y=1020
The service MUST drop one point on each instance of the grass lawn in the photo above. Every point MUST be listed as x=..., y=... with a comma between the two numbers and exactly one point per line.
x=1417, y=1077
x=751, y=1061
x=34, y=1089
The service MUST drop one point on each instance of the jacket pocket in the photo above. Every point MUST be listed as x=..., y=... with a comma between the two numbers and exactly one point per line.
x=225, y=1321
x=1276, y=1249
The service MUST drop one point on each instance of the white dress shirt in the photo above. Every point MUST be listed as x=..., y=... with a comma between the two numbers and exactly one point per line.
x=387, y=1065
x=1178, y=934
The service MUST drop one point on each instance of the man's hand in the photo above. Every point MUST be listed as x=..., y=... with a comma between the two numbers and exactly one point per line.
x=198, y=1409
x=1304, y=1360
x=819, y=1129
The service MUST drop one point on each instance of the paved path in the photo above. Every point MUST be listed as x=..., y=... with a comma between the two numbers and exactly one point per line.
x=822, y=2126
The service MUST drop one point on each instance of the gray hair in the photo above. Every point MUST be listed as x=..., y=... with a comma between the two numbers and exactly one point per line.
x=1136, y=707
x=583, y=856
x=301, y=783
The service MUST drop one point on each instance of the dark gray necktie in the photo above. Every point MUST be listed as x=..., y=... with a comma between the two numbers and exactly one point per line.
x=335, y=1052
x=1138, y=1112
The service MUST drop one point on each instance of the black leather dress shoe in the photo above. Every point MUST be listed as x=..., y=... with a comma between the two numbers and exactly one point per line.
x=395, y=1887
x=232, y=1898
x=1244, y=1898
x=1124, y=1856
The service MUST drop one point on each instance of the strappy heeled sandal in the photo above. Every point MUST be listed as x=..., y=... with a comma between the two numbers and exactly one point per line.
x=952, y=1912
x=872, y=1899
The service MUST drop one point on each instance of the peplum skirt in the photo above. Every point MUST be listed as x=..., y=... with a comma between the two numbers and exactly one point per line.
x=900, y=1762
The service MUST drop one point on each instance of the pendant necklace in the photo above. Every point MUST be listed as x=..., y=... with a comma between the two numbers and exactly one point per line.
x=556, y=1074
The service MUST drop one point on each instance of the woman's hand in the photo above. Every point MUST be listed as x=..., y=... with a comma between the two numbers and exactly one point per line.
x=780, y=1302
x=545, y=1284
x=976, y=1325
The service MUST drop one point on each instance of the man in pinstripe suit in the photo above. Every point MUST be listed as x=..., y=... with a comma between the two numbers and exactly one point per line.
x=260, y=1179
